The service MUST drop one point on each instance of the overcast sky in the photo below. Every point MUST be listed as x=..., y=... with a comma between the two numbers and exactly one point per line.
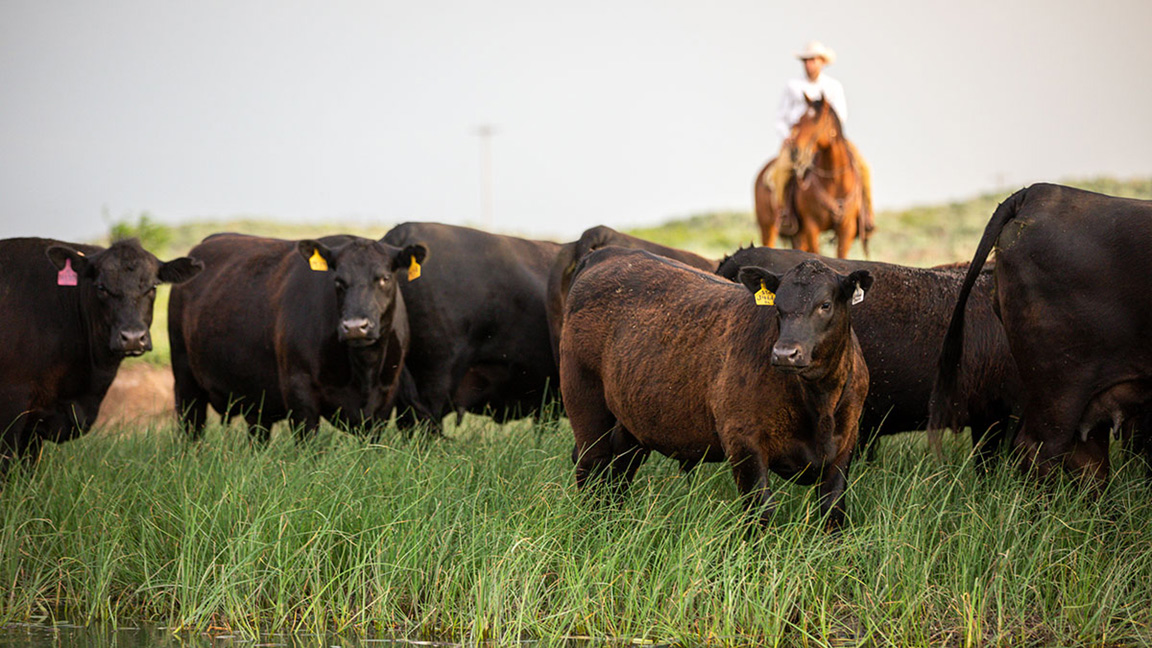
x=616, y=111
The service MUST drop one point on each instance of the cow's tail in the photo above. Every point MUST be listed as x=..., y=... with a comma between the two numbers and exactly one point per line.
x=945, y=407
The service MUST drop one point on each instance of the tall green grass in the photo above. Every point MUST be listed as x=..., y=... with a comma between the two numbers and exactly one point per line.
x=484, y=537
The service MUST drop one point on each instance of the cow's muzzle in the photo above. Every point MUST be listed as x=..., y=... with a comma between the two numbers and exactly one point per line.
x=132, y=342
x=358, y=332
x=789, y=358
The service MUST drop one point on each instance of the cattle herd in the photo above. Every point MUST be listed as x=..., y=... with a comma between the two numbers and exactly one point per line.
x=773, y=360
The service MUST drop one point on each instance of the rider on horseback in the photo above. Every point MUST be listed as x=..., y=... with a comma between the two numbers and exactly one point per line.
x=793, y=103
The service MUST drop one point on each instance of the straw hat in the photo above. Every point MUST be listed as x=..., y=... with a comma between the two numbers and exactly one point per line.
x=816, y=49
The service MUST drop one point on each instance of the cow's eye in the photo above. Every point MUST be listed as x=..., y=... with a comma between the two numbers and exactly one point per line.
x=383, y=281
x=102, y=289
x=341, y=284
x=826, y=306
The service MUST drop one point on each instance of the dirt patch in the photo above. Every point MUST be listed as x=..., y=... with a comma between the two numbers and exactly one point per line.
x=141, y=394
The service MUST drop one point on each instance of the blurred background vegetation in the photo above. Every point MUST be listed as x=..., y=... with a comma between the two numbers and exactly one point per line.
x=923, y=235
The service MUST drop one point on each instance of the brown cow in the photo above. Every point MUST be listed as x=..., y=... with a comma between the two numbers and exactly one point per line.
x=655, y=355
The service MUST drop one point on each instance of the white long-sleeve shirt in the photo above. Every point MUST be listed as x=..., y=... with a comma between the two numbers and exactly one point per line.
x=793, y=103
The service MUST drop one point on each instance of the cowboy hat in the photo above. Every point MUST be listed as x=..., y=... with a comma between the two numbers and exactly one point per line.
x=816, y=49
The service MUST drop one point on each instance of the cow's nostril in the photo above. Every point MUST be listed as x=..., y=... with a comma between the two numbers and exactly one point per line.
x=786, y=356
x=134, y=342
x=356, y=327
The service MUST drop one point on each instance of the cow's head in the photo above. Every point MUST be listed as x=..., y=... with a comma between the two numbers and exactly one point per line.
x=117, y=288
x=812, y=303
x=365, y=274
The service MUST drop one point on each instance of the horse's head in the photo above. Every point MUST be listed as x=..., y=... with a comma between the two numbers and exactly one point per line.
x=817, y=129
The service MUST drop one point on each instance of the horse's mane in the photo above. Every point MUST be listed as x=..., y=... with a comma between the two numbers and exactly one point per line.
x=819, y=105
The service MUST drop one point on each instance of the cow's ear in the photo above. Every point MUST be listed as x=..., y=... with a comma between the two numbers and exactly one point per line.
x=180, y=270
x=318, y=255
x=59, y=255
x=855, y=285
x=411, y=256
x=756, y=278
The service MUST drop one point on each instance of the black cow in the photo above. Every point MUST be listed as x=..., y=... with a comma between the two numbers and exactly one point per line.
x=901, y=327
x=295, y=330
x=479, y=329
x=655, y=355
x=594, y=238
x=70, y=314
x=1072, y=272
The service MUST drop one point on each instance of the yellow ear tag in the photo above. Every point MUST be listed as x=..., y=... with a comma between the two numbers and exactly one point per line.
x=317, y=262
x=765, y=297
x=413, y=270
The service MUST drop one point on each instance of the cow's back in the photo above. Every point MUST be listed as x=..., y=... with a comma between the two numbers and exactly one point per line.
x=560, y=275
x=478, y=320
x=668, y=345
x=1073, y=267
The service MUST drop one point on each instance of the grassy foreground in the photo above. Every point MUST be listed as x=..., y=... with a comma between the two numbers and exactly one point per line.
x=484, y=537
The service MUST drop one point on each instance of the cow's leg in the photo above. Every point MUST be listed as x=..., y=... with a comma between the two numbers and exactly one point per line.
x=1088, y=459
x=987, y=439
x=1047, y=434
x=627, y=457
x=302, y=403
x=13, y=437
x=832, y=489
x=592, y=423
x=751, y=475
x=869, y=439
x=191, y=398
x=412, y=408
x=191, y=410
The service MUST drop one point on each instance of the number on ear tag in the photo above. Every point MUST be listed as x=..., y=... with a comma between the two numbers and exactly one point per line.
x=858, y=295
x=66, y=276
x=413, y=270
x=765, y=297
x=317, y=262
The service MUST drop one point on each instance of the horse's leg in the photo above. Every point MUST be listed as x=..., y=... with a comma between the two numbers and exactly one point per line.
x=809, y=235
x=766, y=215
x=846, y=232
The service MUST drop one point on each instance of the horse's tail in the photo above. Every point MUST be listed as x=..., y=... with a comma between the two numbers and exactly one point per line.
x=944, y=408
x=862, y=223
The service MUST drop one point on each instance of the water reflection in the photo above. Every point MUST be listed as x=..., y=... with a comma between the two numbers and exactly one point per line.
x=63, y=635
x=27, y=635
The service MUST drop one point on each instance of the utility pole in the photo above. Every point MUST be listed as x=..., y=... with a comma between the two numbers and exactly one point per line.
x=485, y=132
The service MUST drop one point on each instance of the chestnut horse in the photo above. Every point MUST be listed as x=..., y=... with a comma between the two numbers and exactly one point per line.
x=825, y=191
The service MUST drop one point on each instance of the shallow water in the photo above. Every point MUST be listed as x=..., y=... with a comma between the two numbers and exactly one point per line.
x=64, y=635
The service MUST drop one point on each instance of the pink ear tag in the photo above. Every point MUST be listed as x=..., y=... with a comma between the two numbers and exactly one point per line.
x=66, y=276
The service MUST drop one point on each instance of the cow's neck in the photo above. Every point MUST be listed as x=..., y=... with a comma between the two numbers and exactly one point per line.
x=824, y=393
x=102, y=362
x=368, y=362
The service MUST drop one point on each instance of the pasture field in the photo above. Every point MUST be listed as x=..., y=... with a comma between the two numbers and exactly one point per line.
x=485, y=537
